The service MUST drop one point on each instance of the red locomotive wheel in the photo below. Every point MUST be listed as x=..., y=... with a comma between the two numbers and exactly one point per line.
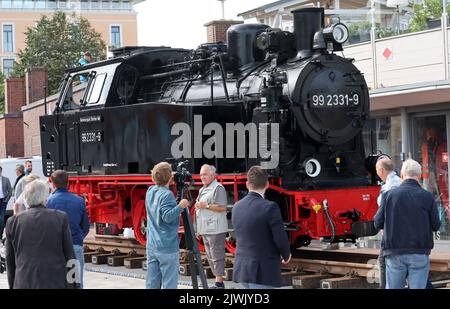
x=140, y=222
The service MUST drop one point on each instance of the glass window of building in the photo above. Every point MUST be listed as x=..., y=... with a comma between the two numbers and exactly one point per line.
x=84, y=5
x=6, y=4
x=28, y=4
x=95, y=5
x=116, y=5
x=7, y=67
x=383, y=135
x=40, y=4
x=126, y=5
x=51, y=4
x=106, y=5
x=62, y=4
x=115, y=36
x=429, y=146
x=17, y=4
x=8, y=38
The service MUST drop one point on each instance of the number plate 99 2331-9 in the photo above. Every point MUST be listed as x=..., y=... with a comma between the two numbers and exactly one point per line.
x=92, y=137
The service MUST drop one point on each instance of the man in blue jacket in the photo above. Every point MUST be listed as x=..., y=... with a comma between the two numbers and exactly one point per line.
x=163, y=220
x=408, y=215
x=260, y=236
x=75, y=208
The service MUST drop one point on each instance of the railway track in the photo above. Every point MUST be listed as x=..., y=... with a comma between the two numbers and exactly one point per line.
x=311, y=267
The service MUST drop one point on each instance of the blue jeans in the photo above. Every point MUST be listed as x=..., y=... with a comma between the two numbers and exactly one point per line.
x=255, y=286
x=2, y=217
x=414, y=267
x=162, y=270
x=80, y=257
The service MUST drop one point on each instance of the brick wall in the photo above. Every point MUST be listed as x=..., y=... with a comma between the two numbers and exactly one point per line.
x=31, y=129
x=11, y=135
x=216, y=30
x=14, y=94
x=36, y=80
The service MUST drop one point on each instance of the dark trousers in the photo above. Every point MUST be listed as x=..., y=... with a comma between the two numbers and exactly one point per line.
x=2, y=217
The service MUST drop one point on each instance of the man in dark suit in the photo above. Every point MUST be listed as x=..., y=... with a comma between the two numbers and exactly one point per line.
x=39, y=245
x=260, y=236
x=408, y=214
x=5, y=195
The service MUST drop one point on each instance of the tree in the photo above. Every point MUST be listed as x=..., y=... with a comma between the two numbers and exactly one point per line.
x=2, y=94
x=56, y=43
x=423, y=12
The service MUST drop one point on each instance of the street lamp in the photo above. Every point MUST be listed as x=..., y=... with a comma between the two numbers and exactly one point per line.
x=397, y=4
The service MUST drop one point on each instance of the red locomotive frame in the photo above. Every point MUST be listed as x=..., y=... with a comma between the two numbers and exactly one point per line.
x=120, y=200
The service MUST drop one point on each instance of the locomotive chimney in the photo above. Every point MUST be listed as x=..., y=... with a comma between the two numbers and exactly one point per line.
x=306, y=23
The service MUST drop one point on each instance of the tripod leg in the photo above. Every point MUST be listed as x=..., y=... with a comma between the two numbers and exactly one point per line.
x=193, y=252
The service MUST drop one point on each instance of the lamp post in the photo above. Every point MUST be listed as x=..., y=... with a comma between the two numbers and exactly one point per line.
x=397, y=4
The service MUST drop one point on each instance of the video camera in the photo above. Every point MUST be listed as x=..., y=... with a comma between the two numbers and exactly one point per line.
x=182, y=176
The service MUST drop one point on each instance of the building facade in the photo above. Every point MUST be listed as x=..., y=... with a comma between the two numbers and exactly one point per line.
x=115, y=20
x=409, y=80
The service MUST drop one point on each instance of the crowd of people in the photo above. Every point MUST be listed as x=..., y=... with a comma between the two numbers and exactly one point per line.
x=44, y=237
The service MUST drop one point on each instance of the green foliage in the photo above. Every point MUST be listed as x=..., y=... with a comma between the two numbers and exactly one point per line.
x=2, y=94
x=423, y=13
x=57, y=43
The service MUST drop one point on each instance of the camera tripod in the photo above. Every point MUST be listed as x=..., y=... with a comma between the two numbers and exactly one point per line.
x=182, y=180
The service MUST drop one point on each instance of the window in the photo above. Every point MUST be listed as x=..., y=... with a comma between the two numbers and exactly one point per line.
x=84, y=5
x=115, y=37
x=106, y=5
x=51, y=4
x=28, y=4
x=40, y=4
x=126, y=5
x=7, y=67
x=8, y=38
x=96, y=89
x=6, y=4
x=95, y=5
x=17, y=4
x=62, y=4
x=115, y=5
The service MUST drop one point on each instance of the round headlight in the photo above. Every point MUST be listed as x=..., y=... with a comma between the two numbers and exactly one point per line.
x=340, y=33
x=312, y=167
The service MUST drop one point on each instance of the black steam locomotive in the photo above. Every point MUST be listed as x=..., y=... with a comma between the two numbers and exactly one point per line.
x=284, y=100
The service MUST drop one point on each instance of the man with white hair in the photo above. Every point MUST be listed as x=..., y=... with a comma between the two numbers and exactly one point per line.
x=408, y=215
x=211, y=221
x=38, y=244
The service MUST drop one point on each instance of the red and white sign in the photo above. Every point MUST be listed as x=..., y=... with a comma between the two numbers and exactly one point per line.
x=387, y=53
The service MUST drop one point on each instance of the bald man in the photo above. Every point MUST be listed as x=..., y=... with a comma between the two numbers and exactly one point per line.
x=385, y=170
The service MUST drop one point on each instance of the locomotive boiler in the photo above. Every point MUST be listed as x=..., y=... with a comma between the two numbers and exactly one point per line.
x=283, y=100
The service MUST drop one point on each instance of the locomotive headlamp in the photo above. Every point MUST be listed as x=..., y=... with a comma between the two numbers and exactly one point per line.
x=312, y=167
x=336, y=33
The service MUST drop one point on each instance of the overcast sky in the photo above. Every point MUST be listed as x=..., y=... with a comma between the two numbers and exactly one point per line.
x=179, y=23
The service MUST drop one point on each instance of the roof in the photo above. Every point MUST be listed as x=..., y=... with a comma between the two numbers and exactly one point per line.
x=410, y=95
x=267, y=6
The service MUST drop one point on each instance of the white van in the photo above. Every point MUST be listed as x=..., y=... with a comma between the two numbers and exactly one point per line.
x=9, y=170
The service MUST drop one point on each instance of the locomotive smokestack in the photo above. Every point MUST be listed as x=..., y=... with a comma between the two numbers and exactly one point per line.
x=307, y=22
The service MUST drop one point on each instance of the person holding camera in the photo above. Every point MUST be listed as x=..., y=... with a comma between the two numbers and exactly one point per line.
x=211, y=221
x=163, y=220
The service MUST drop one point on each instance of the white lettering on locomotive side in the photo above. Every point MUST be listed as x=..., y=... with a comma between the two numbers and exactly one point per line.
x=262, y=139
